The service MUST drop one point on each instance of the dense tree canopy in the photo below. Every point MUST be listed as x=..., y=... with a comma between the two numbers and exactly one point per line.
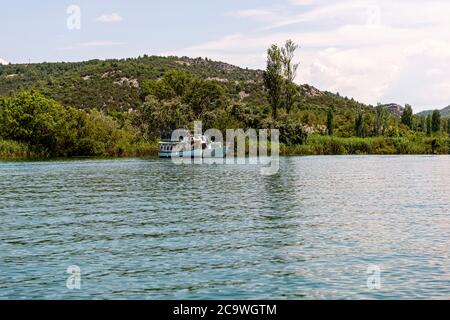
x=51, y=129
x=407, y=116
x=118, y=107
x=273, y=78
x=436, y=121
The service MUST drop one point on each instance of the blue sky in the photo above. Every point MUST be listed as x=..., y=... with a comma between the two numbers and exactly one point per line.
x=376, y=51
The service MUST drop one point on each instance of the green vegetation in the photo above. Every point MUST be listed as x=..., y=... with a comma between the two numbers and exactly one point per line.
x=118, y=107
x=330, y=122
x=273, y=79
x=326, y=145
x=31, y=124
x=14, y=149
x=289, y=72
x=429, y=125
x=407, y=116
x=436, y=121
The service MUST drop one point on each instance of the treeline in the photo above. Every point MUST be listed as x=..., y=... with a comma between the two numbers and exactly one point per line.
x=359, y=120
x=379, y=122
x=172, y=93
x=179, y=98
x=381, y=145
x=33, y=125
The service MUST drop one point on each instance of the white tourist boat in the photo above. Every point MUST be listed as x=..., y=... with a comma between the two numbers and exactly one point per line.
x=189, y=146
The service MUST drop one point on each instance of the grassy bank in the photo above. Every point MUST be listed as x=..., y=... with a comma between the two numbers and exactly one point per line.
x=326, y=145
x=316, y=145
x=14, y=150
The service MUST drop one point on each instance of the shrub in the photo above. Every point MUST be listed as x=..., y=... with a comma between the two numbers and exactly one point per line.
x=13, y=149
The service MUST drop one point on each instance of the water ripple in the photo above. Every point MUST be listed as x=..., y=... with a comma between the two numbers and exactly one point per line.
x=149, y=229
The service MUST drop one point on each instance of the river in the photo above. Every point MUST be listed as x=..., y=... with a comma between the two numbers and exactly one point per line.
x=151, y=229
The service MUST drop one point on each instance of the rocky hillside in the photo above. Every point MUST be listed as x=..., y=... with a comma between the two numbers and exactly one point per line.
x=394, y=109
x=115, y=85
x=112, y=84
x=445, y=113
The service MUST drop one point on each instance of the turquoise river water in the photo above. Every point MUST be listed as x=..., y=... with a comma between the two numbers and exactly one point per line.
x=150, y=229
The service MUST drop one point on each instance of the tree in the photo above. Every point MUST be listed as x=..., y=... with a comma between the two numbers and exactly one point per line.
x=448, y=126
x=290, y=72
x=291, y=131
x=33, y=119
x=436, y=121
x=407, y=116
x=429, y=124
x=359, y=125
x=157, y=88
x=98, y=136
x=204, y=96
x=48, y=128
x=173, y=83
x=154, y=116
x=330, y=122
x=273, y=78
x=180, y=89
x=178, y=80
x=381, y=120
x=423, y=124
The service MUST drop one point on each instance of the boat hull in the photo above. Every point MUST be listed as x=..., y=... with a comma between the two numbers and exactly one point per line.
x=180, y=154
x=207, y=153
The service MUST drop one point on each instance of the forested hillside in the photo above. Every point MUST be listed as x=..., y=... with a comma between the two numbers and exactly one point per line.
x=116, y=85
x=445, y=113
x=118, y=107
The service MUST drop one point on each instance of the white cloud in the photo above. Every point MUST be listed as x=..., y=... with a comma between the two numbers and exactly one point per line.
x=113, y=17
x=4, y=62
x=375, y=51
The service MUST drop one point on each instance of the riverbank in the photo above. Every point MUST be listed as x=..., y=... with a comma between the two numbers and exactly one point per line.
x=316, y=145
x=13, y=150
x=326, y=145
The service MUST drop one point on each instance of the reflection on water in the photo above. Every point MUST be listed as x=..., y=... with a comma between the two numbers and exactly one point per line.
x=149, y=229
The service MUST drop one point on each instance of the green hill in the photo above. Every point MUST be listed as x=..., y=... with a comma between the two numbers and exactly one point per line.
x=113, y=84
x=116, y=85
x=118, y=107
x=445, y=113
